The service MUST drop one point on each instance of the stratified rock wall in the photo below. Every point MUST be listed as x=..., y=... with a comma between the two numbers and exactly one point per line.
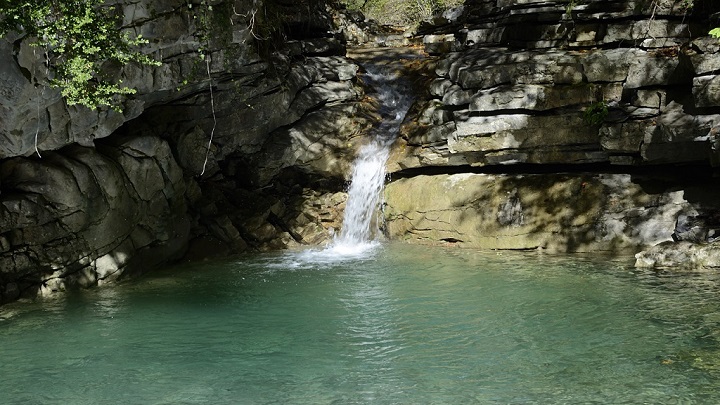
x=607, y=92
x=79, y=216
x=89, y=196
x=518, y=83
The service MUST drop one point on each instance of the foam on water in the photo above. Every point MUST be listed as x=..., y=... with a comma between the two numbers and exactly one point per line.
x=337, y=252
x=318, y=259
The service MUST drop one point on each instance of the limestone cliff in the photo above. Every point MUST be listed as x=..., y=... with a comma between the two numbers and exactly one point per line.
x=563, y=125
x=618, y=95
x=89, y=196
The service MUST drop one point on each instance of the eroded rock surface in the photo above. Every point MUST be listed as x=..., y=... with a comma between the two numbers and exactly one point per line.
x=680, y=256
x=556, y=212
x=91, y=196
x=607, y=92
x=547, y=82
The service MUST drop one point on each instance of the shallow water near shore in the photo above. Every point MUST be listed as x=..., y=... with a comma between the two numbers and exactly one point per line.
x=397, y=325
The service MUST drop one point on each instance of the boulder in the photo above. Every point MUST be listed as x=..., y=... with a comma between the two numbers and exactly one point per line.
x=680, y=256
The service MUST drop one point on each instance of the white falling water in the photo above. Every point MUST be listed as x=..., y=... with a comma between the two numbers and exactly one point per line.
x=368, y=179
x=362, y=213
x=362, y=218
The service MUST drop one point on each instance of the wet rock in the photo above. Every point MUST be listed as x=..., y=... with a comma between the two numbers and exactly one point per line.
x=680, y=255
x=10, y=293
x=318, y=217
x=690, y=228
x=696, y=227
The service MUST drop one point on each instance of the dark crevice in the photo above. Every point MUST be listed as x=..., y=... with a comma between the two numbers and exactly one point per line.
x=687, y=173
x=279, y=223
x=574, y=109
x=452, y=240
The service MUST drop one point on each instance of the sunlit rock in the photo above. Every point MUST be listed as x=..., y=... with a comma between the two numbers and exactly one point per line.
x=557, y=212
x=680, y=255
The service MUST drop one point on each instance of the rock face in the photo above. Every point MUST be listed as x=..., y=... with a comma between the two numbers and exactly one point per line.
x=547, y=82
x=556, y=212
x=91, y=196
x=584, y=88
x=249, y=147
x=360, y=31
x=86, y=215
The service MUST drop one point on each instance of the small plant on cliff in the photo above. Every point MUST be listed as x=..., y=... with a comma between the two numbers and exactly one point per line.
x=596, y=113
x=569, y=8
x=78, y=37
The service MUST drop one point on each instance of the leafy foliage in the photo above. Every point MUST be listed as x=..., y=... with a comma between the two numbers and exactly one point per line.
x=715, y=32
x=686, y=5
x=400, y=12
x=78, y=37
x=569, y=8
x=596, y=113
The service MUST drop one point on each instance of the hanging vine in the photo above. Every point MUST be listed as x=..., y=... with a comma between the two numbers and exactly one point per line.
x=204, y=24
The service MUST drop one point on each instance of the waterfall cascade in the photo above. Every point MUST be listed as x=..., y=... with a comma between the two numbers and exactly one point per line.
x=361, y=219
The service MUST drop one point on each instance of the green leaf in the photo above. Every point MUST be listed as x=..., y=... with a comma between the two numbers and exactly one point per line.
x=78, y=36
x=596, y=113
x=715, y=32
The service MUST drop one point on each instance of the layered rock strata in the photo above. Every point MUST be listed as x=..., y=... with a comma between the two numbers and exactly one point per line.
x=594, y=89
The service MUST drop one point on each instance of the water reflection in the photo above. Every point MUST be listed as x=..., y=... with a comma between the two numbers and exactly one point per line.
x=410, y=325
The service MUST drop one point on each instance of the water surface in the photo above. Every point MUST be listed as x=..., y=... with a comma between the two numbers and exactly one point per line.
x=397, y=325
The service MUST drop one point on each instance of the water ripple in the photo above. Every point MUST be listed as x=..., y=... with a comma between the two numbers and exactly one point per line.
x=411, y=325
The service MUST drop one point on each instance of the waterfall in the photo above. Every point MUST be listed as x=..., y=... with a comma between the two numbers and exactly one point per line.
x=361, y=218
x=364, y=194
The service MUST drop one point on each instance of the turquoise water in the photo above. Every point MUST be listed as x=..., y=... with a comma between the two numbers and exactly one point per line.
x=406, y=325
